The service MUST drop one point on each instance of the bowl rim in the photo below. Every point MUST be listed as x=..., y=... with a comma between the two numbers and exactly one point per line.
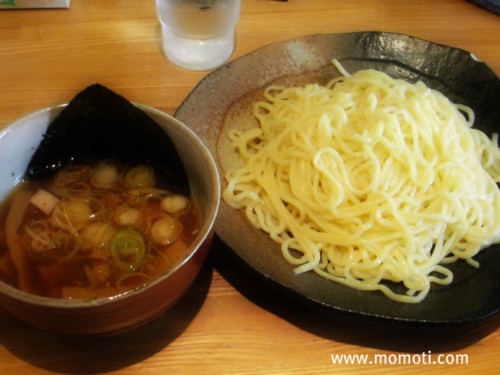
x=205, y=231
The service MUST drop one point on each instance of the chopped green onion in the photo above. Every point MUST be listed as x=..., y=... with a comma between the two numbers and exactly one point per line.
x=128, y=249
x=141, y=176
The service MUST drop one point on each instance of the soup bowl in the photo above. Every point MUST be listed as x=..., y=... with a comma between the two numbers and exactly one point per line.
x=111, y=315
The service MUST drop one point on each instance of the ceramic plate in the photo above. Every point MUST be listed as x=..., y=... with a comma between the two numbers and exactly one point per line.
x=224, y=97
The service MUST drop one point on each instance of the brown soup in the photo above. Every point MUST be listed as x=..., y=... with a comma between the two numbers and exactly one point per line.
x=93, y=231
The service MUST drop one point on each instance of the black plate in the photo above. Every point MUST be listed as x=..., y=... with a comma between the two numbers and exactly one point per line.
x=229, y=91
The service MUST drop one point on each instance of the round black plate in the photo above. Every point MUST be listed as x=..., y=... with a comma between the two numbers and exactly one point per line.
x=475, y=293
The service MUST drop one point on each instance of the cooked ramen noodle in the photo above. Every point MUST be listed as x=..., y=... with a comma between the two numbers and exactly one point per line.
x=369, y=181
x=94, y=231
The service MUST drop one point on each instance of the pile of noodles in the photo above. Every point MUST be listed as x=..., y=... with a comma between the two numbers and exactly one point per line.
x=369, y=181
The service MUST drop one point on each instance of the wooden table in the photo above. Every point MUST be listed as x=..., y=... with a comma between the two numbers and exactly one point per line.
x=228, y=323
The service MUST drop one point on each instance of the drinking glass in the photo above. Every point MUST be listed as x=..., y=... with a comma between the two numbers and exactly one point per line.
x=198, y=34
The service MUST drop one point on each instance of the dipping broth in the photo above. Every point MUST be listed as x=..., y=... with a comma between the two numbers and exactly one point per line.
x=94, y=231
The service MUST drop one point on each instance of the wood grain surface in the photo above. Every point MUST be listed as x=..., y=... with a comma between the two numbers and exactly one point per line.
x=229, y=322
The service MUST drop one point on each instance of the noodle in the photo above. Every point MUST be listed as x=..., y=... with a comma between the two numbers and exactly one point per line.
x=369, y=181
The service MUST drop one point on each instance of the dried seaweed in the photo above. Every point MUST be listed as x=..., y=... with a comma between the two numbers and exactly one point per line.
x=98, y=125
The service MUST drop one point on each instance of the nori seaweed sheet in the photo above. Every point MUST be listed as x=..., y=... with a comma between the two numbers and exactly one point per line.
x=99, y=125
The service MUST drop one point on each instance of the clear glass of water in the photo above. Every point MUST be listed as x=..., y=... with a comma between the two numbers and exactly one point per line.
x=198, y=34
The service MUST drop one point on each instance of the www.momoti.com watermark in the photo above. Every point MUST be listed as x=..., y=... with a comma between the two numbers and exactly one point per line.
x=424, y=358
